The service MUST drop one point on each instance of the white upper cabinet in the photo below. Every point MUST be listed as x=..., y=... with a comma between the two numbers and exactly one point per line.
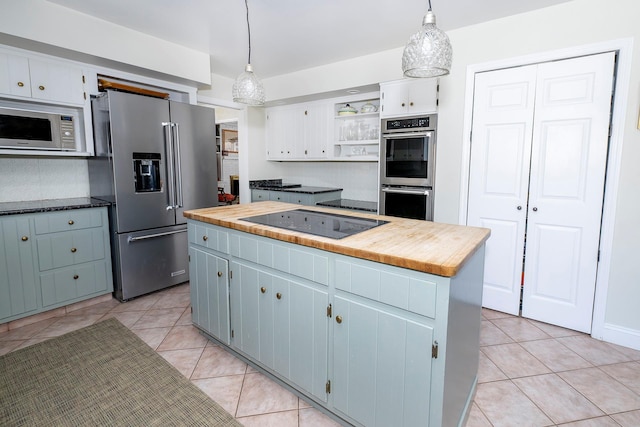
x=408, y=97
x=298, y=132
x=40, y=80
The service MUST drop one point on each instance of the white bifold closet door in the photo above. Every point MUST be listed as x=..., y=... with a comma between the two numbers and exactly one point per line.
x=537, y=171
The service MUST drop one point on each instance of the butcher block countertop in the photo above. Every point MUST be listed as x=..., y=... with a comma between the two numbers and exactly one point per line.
x=430, y=247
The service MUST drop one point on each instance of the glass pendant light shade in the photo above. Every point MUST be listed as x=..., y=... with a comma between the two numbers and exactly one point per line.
x=248, y=89
x=428, y=52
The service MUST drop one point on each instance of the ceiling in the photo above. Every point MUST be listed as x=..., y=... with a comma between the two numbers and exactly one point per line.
x=291, y=35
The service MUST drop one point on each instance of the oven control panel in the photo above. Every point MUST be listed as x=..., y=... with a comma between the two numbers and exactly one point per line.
x=410, y=123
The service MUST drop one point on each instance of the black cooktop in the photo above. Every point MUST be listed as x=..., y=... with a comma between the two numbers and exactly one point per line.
x=334, y=226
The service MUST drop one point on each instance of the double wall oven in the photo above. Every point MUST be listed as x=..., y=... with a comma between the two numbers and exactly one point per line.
x=407, y=166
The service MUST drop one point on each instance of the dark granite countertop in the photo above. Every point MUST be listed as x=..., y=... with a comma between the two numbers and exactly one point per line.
x=278, y=185
x=359, y=205
x=33, y=206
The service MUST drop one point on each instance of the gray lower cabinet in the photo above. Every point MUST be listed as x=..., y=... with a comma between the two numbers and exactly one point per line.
x=18, y=278
x=375, y=345
x=209, y=287
x=52, y=259
x=308, y=199
x=282, y=324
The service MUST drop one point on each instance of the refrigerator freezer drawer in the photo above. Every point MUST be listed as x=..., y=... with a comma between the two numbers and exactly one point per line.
x=150, y=260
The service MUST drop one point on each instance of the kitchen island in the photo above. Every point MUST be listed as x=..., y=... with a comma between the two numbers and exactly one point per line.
x=378, y=328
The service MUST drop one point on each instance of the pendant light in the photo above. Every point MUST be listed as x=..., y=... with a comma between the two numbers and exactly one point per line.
x=248, y=89
x=428, y=52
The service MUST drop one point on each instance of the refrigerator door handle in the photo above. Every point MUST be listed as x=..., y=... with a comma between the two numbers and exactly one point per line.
x=131, y=239
x=168, y=154
x=178, y=168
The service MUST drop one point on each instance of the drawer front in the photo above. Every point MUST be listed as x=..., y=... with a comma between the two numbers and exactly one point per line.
x=298, y=262
x=301, y=199
x=65, y=249
x=208, y=236
x=279, y=196
x=74, y=219
x=259, y=195
x=389, y=286
x=67, y=284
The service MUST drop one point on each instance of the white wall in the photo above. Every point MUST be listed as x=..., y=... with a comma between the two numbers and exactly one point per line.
x=49, y=23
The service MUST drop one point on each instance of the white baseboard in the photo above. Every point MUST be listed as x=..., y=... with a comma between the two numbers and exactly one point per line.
x=621, y=336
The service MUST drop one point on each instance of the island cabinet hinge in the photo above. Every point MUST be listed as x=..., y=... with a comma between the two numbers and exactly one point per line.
x=434, y=350
x=329, y=310
x=85, y=95
x=327, y=387
x=83, y=81
x=232, y=334
x=191, y=309
x=598, y=255
x=189, y=258
x=230, y=274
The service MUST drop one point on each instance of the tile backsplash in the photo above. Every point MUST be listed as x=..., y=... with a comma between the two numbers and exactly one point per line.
x=38, y=178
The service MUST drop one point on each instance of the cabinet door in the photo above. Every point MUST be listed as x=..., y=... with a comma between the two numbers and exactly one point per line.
x=382, y=366
x=14, y=75
x=316, y=131
x=284, y=128
x=17, y=269
x=393, y=99
x=283, y=325
x=209, y=277
x=302, y=311
x=55, y=82
x=422, y=96
x=259, y=195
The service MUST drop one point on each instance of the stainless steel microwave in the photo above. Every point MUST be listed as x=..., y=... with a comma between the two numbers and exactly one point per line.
x=38, y=127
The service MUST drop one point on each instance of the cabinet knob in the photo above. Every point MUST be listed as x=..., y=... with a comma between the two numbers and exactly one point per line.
x=305, y=112
x=219, y=273
x=71, y=222
x=411, y=104
x=205, y=238
x=75, y=277
x=535, y=209
x=74, y=250
x=519, y=208
x=279, y=295
x=339, y=319
x=263, y=289
x=41, y=87
x=20, y=84
x=403, y=104
x=25, y=238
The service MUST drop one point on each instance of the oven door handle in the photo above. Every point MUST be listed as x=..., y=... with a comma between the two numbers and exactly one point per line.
x=405, y=191
x=406, y=135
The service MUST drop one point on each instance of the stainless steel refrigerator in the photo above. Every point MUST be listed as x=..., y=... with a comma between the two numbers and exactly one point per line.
x=154, y=159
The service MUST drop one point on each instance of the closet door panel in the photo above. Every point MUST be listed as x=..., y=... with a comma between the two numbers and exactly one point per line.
x=568, y=165
x=499, y=177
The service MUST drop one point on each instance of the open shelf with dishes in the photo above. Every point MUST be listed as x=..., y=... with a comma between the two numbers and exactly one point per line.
x=357, y=130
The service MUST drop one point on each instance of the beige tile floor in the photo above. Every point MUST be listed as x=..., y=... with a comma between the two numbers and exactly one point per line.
x=530, y=373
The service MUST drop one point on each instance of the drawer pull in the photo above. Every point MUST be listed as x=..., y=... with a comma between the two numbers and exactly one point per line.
x=279, y=295
x=20, y=84
x=75, y=277
x=25, y=238
x=219, y=273
x=71, y=222
x=339, y=319
x=41, y=87
x=263, y=289
x=73, y=250
x=205, y=238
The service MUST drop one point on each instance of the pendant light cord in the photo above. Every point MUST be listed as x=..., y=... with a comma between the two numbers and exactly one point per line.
x=249, y=30
x=429, y=4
